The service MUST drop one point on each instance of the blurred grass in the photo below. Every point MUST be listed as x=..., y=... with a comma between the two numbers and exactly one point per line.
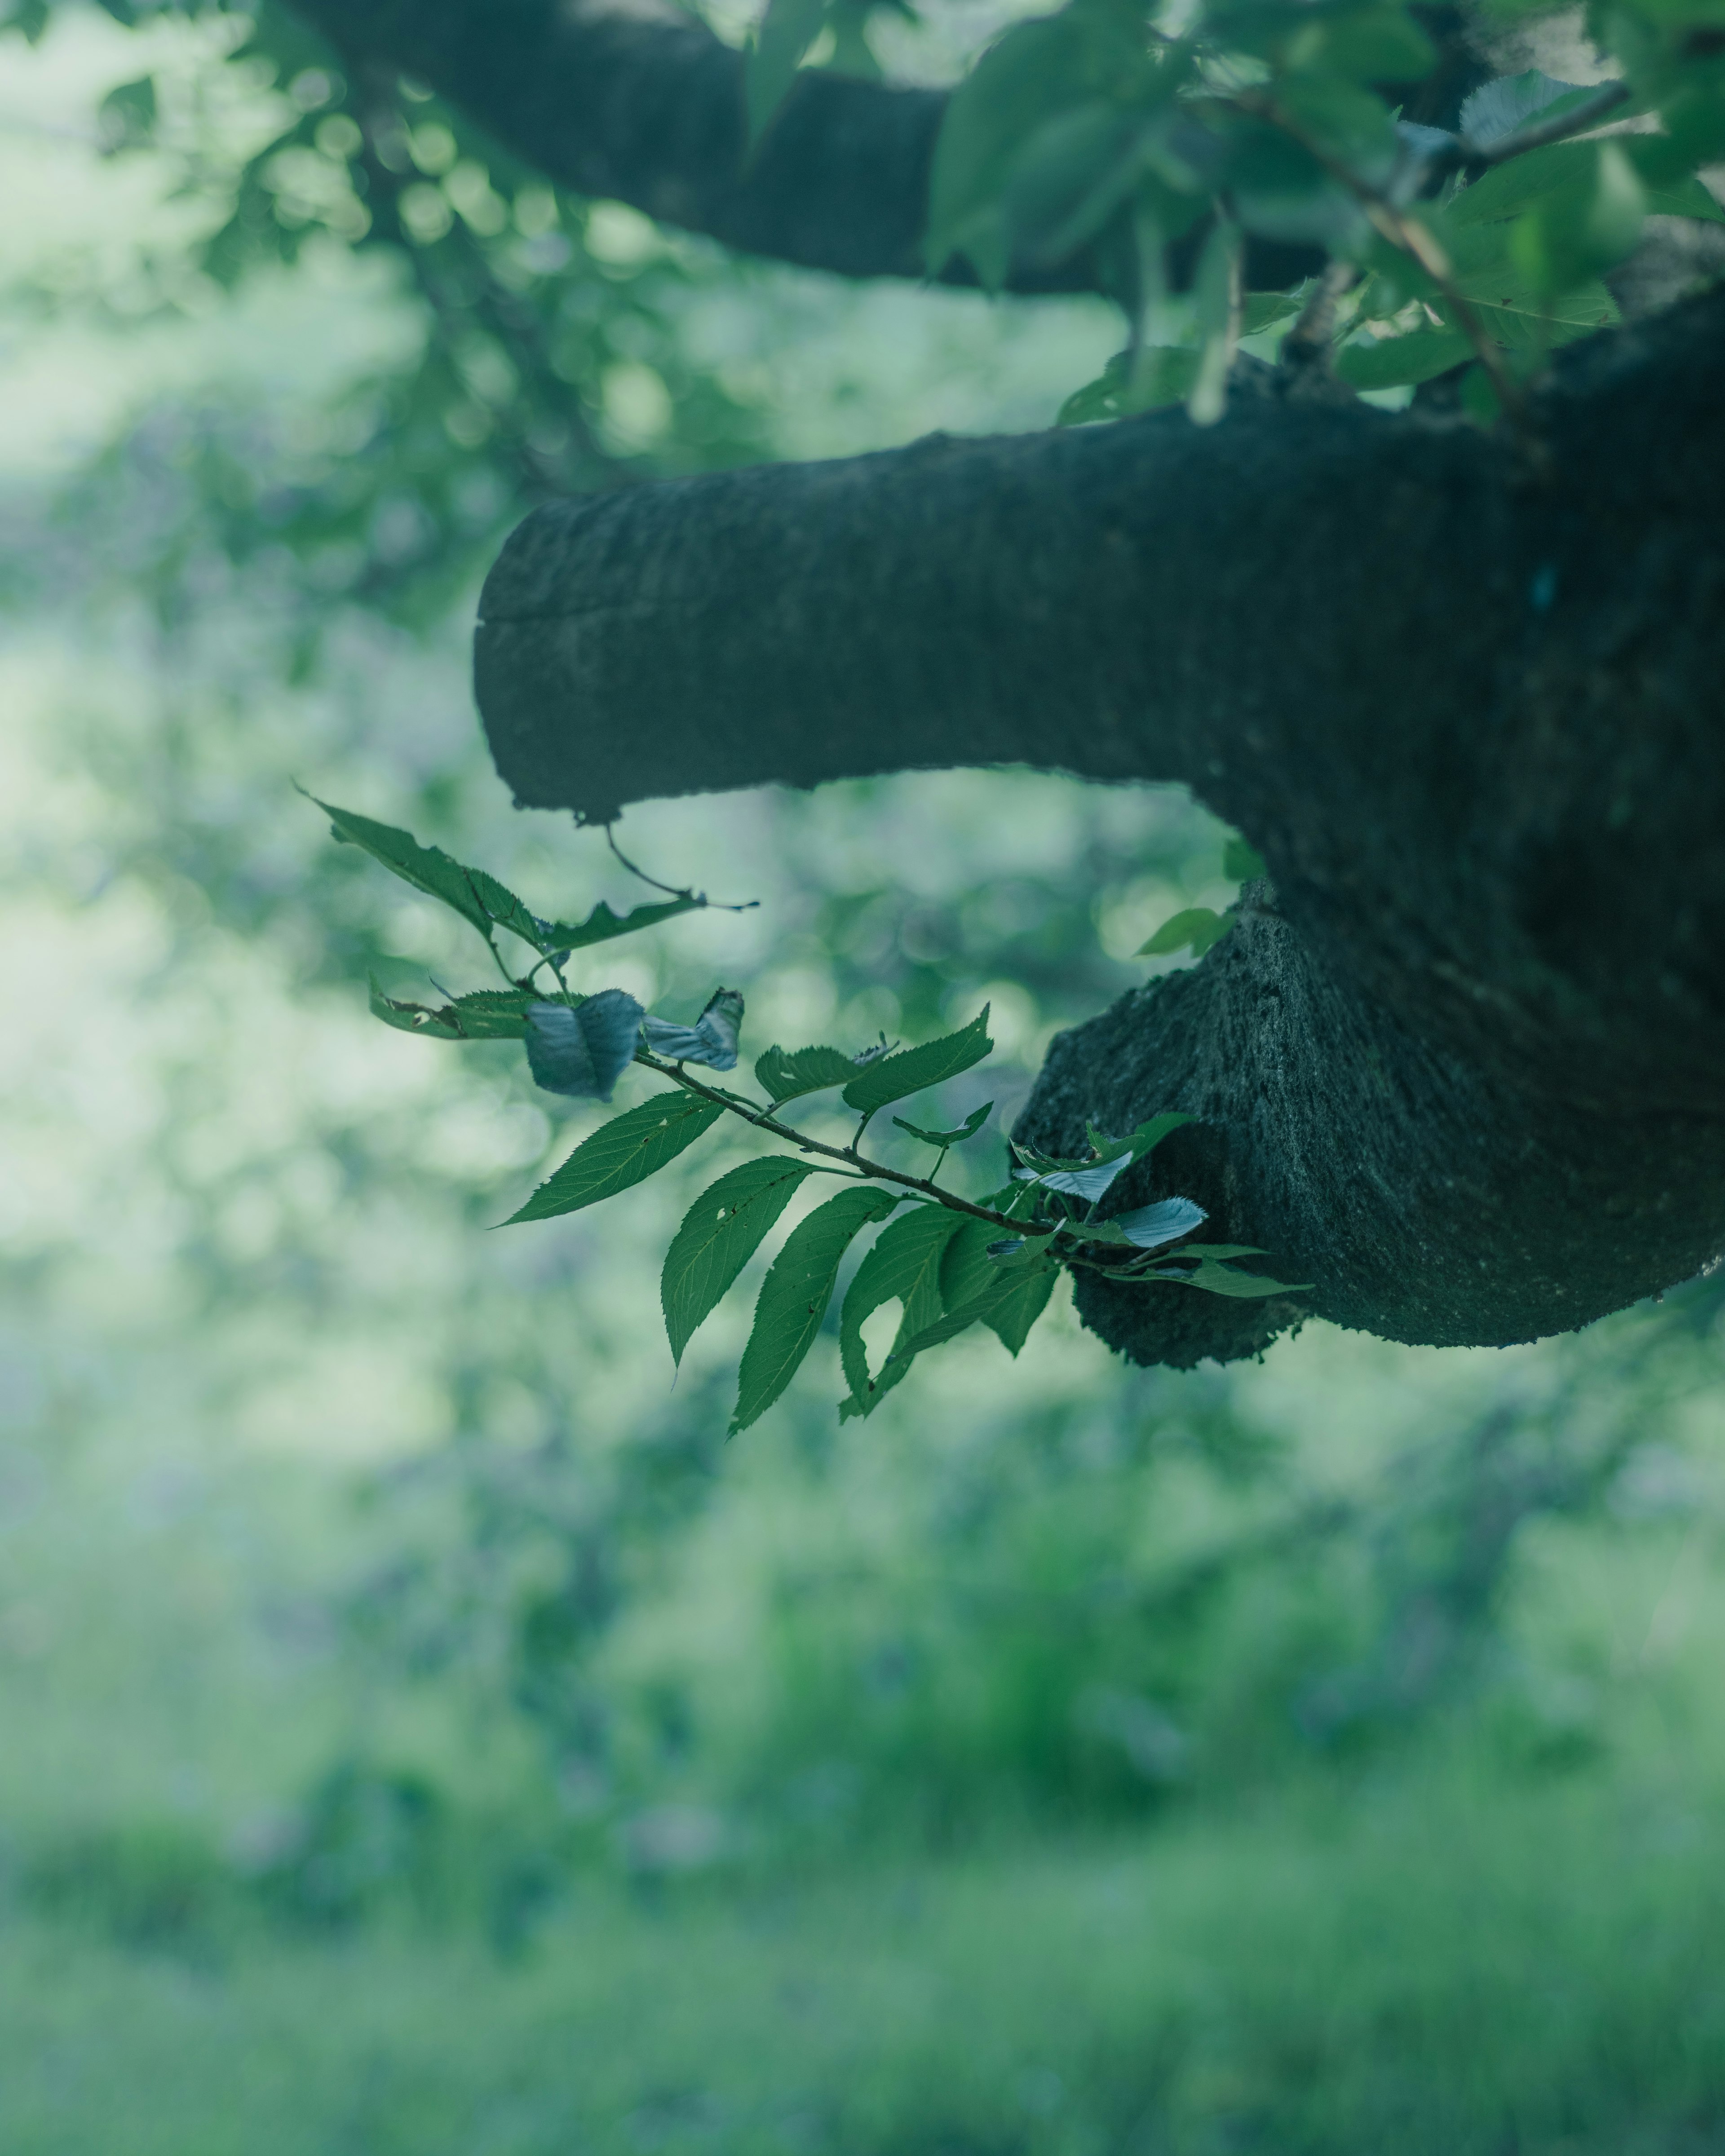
x=1443, y=1963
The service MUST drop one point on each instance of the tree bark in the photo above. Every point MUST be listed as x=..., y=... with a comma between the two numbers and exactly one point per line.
x=636, y=101
x=1458, y=1064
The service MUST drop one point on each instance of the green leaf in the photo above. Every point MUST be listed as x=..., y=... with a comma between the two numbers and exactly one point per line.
x=1068, y=180
x=1582, y=228
x=721, y=1232
x=795, y=1294
x=904, y=1266
x=785, y=1073
x=1396, y=361
x=1036, y=69
x=913, y=1070
x=968, y=1129
x=489, y=1015
x=623, y=1152
x=786, y=32
x=1023, y=1298
x=1163, y=375
x=1199, y=926
x=602, y=924
x=480, y=899
x=1241, y=861
x=1010, y=1308
x=1216, y=1278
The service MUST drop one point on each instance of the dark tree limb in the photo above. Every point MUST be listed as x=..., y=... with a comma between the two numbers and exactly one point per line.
x=1464, y=1067
x=638, y=102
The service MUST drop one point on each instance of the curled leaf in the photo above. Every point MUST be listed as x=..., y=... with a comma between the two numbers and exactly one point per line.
x=583, y=1052
x=712, y=1039
x=1165, y=1222
x=968, y=1129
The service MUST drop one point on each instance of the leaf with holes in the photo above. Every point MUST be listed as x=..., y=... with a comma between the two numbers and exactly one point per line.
x=721, y=1232
x=489, y=1015
x=787, y=1073
x=795, y=1294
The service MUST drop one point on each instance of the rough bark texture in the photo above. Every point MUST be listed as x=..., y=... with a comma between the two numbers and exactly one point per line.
x=636, y=100
x=1460, y=1068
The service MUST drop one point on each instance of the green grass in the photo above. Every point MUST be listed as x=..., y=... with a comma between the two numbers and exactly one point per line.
x=1448, y=1965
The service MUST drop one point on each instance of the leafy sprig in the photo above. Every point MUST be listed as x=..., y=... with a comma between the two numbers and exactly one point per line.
x=1121, y=129
x=952, y=1262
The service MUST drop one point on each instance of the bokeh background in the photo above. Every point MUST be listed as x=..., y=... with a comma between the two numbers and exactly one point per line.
x=420, y=1730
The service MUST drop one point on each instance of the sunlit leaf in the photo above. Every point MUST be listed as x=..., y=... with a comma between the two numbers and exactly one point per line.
x=795, y=1294
x=720, y=1232
x=620, y=1154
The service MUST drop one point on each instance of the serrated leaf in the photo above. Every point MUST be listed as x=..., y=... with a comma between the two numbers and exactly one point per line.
x=904, y=1266
x=914, y=1070
x=1089, y=1183
x=488, y=1015
x=1163, y=375
x=1199, y=926
x=480, y=899
x=1496, y=109
x=795, y=1294
x=602, y=925
x=968, y=1129
x=787, y=1073
x=584, y=1050
x=1022, y=1301
x=710, y=1040
x=1010, y=1308
x=621, y=1153
x=721, y=1232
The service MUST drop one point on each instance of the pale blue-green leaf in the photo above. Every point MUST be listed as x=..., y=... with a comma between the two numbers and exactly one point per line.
x=720, y=1232
x=913, y=1070
x=1088, y=1183
x=584, y=1051
x=1151, y=1226
x=712, y=1039
x=620, y=1154
x=795, y=1294
x=1496, y=109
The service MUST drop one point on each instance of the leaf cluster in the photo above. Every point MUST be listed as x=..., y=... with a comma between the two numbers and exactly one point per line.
x=948, y=1261
x=1120, y=130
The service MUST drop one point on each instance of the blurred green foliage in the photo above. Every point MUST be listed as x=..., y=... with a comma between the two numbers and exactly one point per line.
x=415, y=1742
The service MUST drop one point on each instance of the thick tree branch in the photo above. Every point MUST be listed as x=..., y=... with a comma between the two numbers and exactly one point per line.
x=637, y=101
x=1463, y=1068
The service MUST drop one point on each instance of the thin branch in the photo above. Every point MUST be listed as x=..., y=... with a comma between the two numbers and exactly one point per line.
x=701, y=898
x=1538, y=134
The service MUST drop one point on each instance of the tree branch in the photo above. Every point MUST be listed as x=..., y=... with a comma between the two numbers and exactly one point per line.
x=1462, y=1070
x=636, y=100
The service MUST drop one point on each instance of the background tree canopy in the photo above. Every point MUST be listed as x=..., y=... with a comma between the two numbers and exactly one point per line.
x=427, y=1733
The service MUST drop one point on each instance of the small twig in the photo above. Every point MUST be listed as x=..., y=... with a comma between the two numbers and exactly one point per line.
x=700, y=897
x=1538, y=134
x=1308, y=342
x=1410, y=237
x=765, y=1120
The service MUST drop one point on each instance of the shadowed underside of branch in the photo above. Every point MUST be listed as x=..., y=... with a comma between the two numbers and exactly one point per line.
x=1459, y=1063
